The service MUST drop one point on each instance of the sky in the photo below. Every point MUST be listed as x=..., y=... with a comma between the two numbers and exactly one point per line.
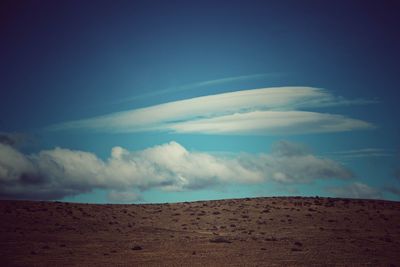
x=168, y=101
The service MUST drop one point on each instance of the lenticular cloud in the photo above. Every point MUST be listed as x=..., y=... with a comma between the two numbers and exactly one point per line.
x=265, y=111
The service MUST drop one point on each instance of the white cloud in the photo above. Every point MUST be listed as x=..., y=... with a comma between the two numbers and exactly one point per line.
x=258, y=111
x=53, y=174
x=293, y=163
x=356, y=190
x=13, y=139
x=13, y=164
x=271, y=122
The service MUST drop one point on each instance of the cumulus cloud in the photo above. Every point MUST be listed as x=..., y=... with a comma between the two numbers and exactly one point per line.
x=56, y=173
x=293, y=163
x=12, y=139
x=356, y=190
x=273, y=110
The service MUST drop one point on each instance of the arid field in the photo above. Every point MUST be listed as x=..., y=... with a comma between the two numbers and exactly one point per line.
x=277, y=231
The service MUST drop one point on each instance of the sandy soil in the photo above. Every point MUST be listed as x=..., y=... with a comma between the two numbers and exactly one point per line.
x=280, y=231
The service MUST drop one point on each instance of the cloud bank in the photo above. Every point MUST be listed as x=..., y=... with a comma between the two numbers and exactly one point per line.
x=356, y=190
x=57, y=173
x=275, y=110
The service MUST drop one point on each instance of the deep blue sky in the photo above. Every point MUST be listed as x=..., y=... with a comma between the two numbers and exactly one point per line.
x=65, y=61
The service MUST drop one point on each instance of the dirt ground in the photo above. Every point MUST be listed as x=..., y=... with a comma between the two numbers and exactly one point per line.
x=281, y=231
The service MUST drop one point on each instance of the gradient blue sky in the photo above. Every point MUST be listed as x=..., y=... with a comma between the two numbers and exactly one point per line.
x=68, y=61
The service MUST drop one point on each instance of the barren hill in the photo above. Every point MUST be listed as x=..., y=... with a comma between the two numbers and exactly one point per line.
x=276, y=231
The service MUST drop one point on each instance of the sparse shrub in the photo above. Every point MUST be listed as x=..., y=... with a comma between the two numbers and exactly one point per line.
x=219, y=239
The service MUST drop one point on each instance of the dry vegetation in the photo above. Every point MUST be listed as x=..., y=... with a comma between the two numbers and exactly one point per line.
x=259, y=231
